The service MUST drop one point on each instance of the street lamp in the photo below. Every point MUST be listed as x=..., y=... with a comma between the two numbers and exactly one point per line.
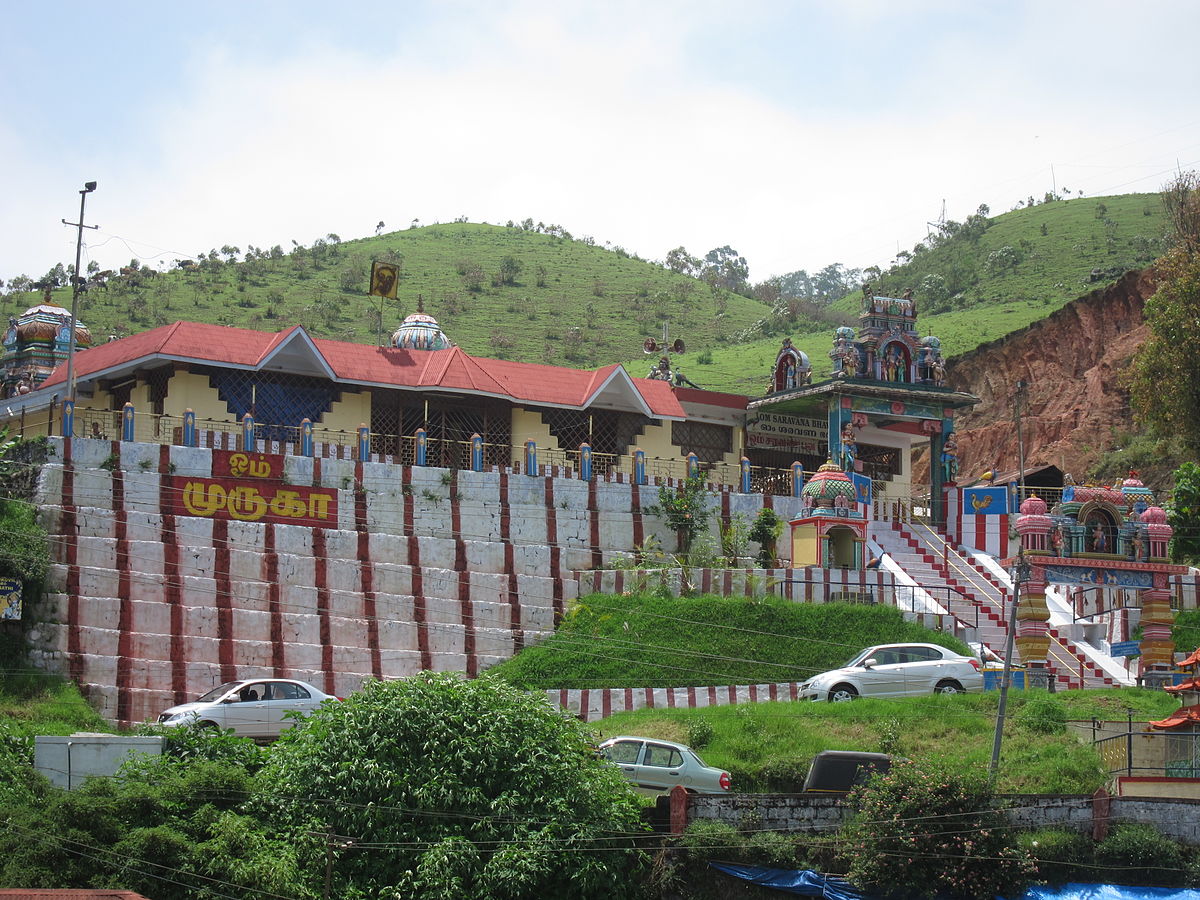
x=1020, y=573
x=77, y=280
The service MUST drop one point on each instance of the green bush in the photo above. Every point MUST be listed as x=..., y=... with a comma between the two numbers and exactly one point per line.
x=1043, y=716
x=1059, y=855
x=785, y=775
x=699, y=733
x=771, y=848
x=705, y=840
x=1138, y=854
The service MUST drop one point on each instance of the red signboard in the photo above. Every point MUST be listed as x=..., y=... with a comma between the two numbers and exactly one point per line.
x=236, y=464
x=251, y=500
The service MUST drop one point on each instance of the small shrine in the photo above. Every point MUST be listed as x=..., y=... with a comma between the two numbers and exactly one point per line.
x=831, y=530
x=884, y=394
x=420, y=331
x=37, y=341
x=1099, y=542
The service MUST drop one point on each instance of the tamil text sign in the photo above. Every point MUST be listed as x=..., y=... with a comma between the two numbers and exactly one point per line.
x=248, y=487
x=778, y=431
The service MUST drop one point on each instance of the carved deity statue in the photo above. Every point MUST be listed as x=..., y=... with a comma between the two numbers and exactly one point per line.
x=950, y=458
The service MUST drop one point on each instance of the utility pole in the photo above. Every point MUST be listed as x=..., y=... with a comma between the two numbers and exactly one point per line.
x=77, y=285
x=1020, y=574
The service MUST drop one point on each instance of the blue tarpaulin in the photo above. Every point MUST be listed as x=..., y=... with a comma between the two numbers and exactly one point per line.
x=1080, y=891
x=804, y=882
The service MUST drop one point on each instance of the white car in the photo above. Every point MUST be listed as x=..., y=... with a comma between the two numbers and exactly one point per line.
x=897, y=670
x=655, y=766
x=253, y=707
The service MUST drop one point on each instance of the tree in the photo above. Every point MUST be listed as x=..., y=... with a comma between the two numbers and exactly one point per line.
x=1184, y=515
x=726, y=268
x=454, y=788
x=681, y=262
x=917, y=832
x=510, y=268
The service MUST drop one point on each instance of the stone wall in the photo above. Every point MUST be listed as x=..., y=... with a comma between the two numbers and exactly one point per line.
x=424, y=568
x=801, y=813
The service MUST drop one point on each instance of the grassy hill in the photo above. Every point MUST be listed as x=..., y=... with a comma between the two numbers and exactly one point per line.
x=969, y=288
x=518, y=292
x=558, y=300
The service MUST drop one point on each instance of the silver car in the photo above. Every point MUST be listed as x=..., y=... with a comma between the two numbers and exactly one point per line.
x=897, y=670
x=253, y=707
x=654, y=765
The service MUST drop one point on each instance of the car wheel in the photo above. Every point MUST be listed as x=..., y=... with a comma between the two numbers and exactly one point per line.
x=842, y=693
x=949, y=687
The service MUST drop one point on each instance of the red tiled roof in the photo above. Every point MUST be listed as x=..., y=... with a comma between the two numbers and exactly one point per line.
x=1181, y=716
x=1192, y=685
x=1192, y=660
x=451, y=369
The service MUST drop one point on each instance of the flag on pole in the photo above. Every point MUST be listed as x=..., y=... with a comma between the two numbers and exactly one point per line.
x=384, y=278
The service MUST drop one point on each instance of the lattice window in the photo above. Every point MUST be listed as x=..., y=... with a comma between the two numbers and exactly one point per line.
x=396, y=416
x=278, y=400
x=709, y=442
x=157, y=381
x=880, y=463
x=607, y=431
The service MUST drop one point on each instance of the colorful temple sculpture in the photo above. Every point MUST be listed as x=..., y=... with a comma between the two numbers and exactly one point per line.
x=37, y=341
x=831, y=531
x=884, y=396
x=1097, y=539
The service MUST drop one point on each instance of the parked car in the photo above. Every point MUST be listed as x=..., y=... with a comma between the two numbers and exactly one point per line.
x=655, y=766
x=253, y=707
x=897, y=670
x=837, y=771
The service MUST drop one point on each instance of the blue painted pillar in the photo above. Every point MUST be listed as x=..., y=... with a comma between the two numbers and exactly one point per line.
x=745, y=475
x=364, y=443
x=422, y=446
x=476, y=453
x=639, y=466
x=531, y=466
x=585, y=461
x=249, y=444
x=306, y=437
x=127, y=422
x=189, y=428
x=693, y=465
x=68, y=418
x=797, y=478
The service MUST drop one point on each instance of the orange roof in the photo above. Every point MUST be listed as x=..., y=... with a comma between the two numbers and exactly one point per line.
x=1181, y=716
x=1192, y=660
x=1193, y=685
x=452, y=369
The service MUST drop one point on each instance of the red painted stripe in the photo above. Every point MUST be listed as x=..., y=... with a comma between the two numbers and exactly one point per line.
x=649, y=698
x=670, y=698
x=366, y=573
x=223, y=600
x=271, y=574
x=584, y=704
x=321, y=583
x=732, y=689
x=628, y=699
x=691, y=695
x=606, y=704
x=173, y=595
x=125, y=615
x=510, y=566
x=70, y=530
x=419, y=605
x=712, y=695
x=555, y=552
x=462, y=570
x=773, y=692
x=635, y=506
x=754, y=693
x=594, y=525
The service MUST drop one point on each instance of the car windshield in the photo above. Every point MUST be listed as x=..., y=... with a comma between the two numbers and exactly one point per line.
x=857, y=660
x=218, y=692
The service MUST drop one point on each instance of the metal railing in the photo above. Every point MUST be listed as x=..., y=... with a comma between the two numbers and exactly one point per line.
x=106, y=424
x=1159, y=754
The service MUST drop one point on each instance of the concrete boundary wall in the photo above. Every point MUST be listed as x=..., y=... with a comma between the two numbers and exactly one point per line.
x=801, y=813
x=424, y=568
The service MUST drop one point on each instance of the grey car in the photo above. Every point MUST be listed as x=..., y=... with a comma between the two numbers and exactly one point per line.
x=897, y=670
x=254, y=707
x=654, y=765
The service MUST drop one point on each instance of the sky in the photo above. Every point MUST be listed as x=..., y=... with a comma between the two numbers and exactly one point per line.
x=799, y=133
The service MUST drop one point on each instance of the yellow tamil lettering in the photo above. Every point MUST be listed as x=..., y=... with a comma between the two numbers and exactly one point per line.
x=289, y=504
x=202, y=499
x=261, y=469
x=246, y=504
x=238, y=464
x=318, y=505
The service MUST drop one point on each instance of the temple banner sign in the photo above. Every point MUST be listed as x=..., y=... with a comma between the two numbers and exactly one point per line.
x=778, y=431
x=10, y=598
x=248, y=500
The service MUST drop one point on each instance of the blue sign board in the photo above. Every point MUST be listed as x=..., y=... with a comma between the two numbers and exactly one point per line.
x=862, y=487
x=985, y=501
x=1124, y=648
x=1109, y=578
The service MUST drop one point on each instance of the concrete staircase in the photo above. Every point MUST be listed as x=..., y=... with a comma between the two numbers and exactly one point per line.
x=977, y=597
